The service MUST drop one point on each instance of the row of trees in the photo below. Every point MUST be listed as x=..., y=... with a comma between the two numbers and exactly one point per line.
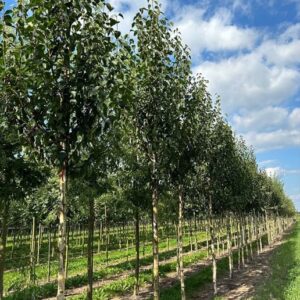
x=89, y=113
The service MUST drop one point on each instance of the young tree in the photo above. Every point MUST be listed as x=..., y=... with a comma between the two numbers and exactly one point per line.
x=134, y=182
x=188, y=144
x=62, y=73
x=153, y=103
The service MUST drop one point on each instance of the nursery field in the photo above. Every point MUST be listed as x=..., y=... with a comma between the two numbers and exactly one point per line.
x=114, y=254
x=120, y=175
x=32, y=276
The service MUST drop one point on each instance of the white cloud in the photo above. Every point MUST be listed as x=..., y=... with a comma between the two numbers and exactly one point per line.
x=214, y=34
x=267, y=75
x=278, y=139
x=294, y=118
x=260, y=75
x=247, y=83
x=278, y=171
x=265, y=119
x=274, y=172
x=292, y=32
x=269, y=128
x=241, y=6
x=279, y=53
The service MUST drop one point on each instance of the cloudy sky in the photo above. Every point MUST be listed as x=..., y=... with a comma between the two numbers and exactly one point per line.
x=249, y=50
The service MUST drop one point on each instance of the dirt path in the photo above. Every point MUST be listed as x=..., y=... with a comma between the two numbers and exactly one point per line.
x=245, y=280
x=241, y=287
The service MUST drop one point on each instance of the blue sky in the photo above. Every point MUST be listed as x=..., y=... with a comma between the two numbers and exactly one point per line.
x=249, y=50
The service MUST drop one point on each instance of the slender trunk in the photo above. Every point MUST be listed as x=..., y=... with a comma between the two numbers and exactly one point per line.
x=256, y=220
x=268, y=228
x=238, y=237
x=106, y=235
x=49, y=255
x=242, y=241
x=260, y=234
x=67, y=252
x=137, y=251
x=168, y=234
x=229, y=246
x=82, y=240
x=190, y=235
x=3, y=245
x=39, y=244
x=155, y=230
x=251, y=234
x=53, y=247
x=127, y=249
x=32, y=253
x=212, y=246
x=144, y=239
x=177, y=251
x=13, y=246
x=62, y=234
x=99, y=237
x=207, y=240
x=218, y=238
x=246, y=241
x=180, y=242
x=90, y=249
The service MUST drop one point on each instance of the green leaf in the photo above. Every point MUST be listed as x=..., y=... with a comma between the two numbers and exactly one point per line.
x=110, y=8
x=113, y=22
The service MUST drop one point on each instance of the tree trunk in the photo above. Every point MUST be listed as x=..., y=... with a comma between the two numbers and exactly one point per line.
x=180, y=242
x=39, y=244
x=90, y=249
x=207, y=239
x=32, y=253
x=49, y=255
x=212, y=246
x=3, y=245
x=238, y=236
x=251, y=226
x=229, y=246
x=268, y=228
x=62, y=234
x=155, y=230
x=242, y=241
x=137, y=252
x=106, y=235
x=67, y=252
x=99, y=237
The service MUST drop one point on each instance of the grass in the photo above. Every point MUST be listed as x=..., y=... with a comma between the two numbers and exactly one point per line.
x=77, y=271
x=284, y=279
x=127, y=284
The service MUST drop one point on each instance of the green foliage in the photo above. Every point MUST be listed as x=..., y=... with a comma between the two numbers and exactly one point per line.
x=124, y=116
x=60, y=77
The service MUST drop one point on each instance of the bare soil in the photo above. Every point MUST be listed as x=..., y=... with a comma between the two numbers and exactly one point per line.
x=241, y=286
x=244, y=281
